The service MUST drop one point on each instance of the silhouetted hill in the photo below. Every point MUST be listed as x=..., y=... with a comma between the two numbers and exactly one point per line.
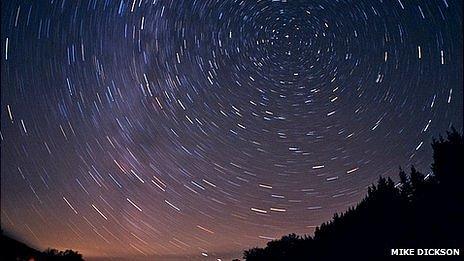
x=417, y=213
x=12, y=249
x=15, y=250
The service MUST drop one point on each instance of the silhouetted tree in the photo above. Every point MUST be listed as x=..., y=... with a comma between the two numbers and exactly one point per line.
x=405, y=185
x=12, y=249
x=417, y=213
x=68, y=255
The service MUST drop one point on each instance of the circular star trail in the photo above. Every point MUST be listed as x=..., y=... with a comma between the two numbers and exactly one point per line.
x=202, y=128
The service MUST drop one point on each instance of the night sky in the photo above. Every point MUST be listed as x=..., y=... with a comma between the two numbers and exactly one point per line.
x=201, y=127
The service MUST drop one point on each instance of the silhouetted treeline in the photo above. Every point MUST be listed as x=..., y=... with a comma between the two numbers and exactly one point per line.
x=56, y=255
x=418, y=212
x=12, y=249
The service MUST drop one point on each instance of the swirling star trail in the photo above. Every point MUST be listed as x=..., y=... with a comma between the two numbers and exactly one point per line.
x=191, y=127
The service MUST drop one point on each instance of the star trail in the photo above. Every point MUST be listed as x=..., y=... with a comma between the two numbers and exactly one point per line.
x=201, y=127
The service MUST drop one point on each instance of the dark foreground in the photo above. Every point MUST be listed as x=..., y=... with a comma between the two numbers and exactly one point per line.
x=419, y=215
x=12, y=249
